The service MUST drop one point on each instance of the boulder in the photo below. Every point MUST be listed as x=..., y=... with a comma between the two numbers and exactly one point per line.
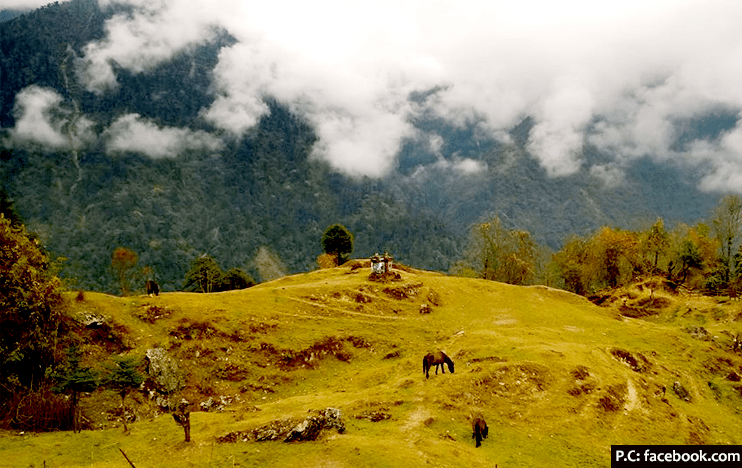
x=164, y=374
x=313, y=425
x=289, y=430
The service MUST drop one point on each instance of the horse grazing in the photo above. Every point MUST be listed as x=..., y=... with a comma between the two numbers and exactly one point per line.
x=480, y=430
x=438, y=359
x=152, y=287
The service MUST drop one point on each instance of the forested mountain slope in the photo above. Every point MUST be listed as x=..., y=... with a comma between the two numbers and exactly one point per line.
x=138, y=166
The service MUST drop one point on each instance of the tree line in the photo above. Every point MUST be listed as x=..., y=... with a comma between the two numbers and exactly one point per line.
x=706, y=256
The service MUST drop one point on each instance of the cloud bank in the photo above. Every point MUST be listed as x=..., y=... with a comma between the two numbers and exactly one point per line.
x=24, y=4
x=133, y=133
x=617, y=76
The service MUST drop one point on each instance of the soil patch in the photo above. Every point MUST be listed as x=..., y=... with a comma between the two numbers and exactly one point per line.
x=518, y=379
x=406, y=291
x=152, y=313
x=637, y=363
x=614, y=398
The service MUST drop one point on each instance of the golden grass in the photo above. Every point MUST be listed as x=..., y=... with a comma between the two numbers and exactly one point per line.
x=557, y=378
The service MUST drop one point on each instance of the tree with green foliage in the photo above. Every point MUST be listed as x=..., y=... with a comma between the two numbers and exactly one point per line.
x=31, y=306
x=501, y=254
x=338, y=241
x=74, y=380
x=656, y=242
x=570, y=264
x=207, y=276
x=694, y=257
x=616, y=256
x=204, y=275
x=689, y=257
x=608, y=258
x=123, y=377
x=235, y=278
x=8, y=210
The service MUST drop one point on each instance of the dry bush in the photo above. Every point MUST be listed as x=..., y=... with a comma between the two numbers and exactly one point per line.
x=41, y=410
x=326, y=261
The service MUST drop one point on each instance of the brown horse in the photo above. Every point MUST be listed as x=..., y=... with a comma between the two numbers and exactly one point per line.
x=436, y=359
x=480, y=430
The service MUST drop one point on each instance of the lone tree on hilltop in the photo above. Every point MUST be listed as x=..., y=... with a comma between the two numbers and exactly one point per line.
x=338, y=241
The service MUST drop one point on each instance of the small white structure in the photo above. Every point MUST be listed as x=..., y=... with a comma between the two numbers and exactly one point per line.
x=381, y=264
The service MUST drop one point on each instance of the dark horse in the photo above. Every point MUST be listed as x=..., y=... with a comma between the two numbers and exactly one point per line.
x=480, y=430
x=152, y=287
x=438, y=359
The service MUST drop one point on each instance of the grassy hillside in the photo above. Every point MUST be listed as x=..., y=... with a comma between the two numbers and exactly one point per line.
x=557, y=378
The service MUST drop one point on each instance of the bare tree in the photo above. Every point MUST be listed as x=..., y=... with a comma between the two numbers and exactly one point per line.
x=727, y=222
x=123, y=262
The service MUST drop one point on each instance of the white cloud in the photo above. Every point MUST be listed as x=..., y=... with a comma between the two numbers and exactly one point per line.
x=41, y=118
x=468, y=166
x=138, y=42
x=610, y=175
x=633, y=67
x=25, y=4
x=360, y=144
x=133, y=133
x=724, y=160
x=38, y=117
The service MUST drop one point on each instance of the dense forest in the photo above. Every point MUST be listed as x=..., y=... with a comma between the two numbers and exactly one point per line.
x=260, y=202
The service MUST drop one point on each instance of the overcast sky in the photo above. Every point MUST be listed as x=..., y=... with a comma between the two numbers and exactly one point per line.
x=617, y=75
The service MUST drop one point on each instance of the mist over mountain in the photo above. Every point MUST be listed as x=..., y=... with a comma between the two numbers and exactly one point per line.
x=174, y=131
